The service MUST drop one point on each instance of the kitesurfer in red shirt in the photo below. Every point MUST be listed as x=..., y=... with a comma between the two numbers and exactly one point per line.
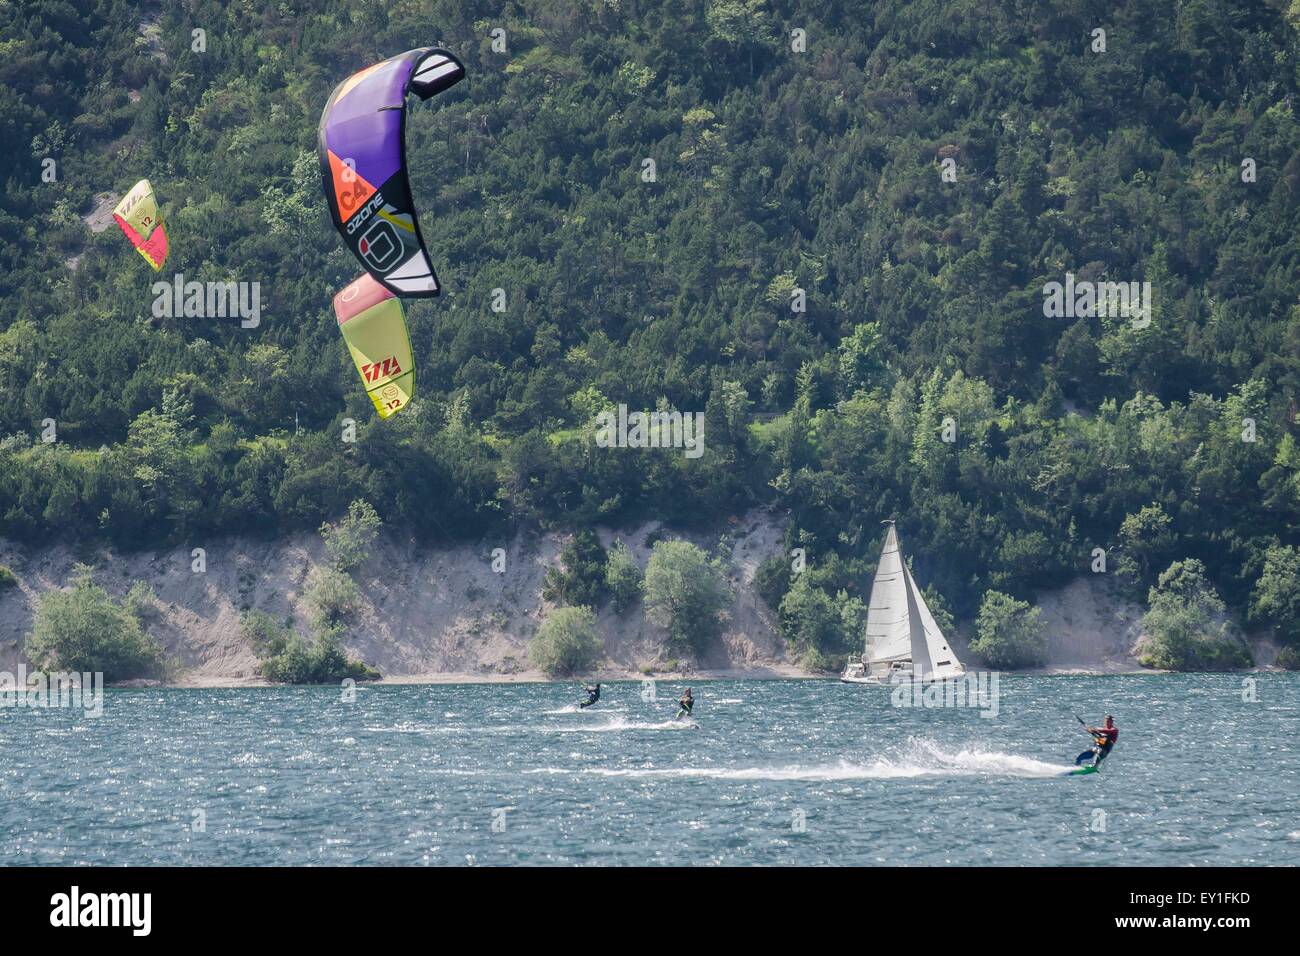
x=1104, y=740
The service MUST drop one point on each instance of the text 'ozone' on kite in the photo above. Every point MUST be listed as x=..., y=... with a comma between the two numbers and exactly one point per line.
x=374, y=328
x=137, y=215
x=362, y=150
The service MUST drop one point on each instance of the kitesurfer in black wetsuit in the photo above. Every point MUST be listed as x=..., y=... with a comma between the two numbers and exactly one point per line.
x=1104, y=740
x=685, y=704
x=593, y=695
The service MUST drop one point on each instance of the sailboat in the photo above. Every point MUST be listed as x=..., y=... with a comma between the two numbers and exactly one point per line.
x=904, y=644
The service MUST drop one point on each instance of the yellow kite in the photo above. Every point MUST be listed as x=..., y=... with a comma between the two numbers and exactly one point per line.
x=138, y=216
x=374, y=328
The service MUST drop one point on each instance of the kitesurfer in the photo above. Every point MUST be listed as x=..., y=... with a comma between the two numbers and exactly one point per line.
x=685, y=704
x=593, y=695
x=1104, y=740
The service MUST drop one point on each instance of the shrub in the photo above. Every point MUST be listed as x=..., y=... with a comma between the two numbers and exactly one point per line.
x=7, y=577
x=1008, y=633
x=814, y=661
x=1288, y=658
x=348, y=541
x=288, y=657
x=141, y=601
x=86, y=630
x=331, y=595
x=567, y=642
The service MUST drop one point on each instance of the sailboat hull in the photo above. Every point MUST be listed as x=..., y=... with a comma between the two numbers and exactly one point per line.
x=873, y=680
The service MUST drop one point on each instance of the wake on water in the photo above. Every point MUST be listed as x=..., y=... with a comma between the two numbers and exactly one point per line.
x=606, y=721
x=621, y=723
x=919, y=758
x=594, y=709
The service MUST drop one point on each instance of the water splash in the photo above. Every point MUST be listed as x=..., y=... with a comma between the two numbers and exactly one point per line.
x=918, y=758
x=615, y=724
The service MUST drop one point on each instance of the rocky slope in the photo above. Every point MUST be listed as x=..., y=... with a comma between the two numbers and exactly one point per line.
x=423, y=612
x=443, y=613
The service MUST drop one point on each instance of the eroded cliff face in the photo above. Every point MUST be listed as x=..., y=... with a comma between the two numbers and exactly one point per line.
x=430, y=613
x=422, y=612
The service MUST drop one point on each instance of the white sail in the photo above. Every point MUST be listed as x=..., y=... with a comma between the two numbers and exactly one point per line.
x=889, y=636
x=900, y=628
x=940, y=660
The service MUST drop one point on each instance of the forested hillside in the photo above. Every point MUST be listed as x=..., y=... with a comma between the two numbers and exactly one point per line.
x=775, y=170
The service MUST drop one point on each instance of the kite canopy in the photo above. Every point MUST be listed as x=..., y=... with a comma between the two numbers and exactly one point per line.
x=374, y=328
x=137, y=214
x=362, y=152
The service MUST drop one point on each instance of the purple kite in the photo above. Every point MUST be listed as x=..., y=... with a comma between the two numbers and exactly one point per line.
x=363, y=164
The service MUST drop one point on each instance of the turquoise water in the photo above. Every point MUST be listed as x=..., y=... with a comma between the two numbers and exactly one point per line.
x=420, y=774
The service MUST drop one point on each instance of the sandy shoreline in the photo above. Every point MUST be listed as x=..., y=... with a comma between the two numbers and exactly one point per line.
x=772, y=672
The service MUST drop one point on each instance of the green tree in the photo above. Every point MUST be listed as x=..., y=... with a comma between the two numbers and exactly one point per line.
x=289, y=213
x=580, y=578
x=861, y=363
x=1147, y=539
x=818, y=625
x=1275, y=599
x=809, y=617
x=741, y=23
x=686, y=593
x=1008, y=633
x=1186, y=624
x=623, y=577
x=939, y=609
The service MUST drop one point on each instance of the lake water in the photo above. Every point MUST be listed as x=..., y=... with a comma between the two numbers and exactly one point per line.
x=770, y=772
